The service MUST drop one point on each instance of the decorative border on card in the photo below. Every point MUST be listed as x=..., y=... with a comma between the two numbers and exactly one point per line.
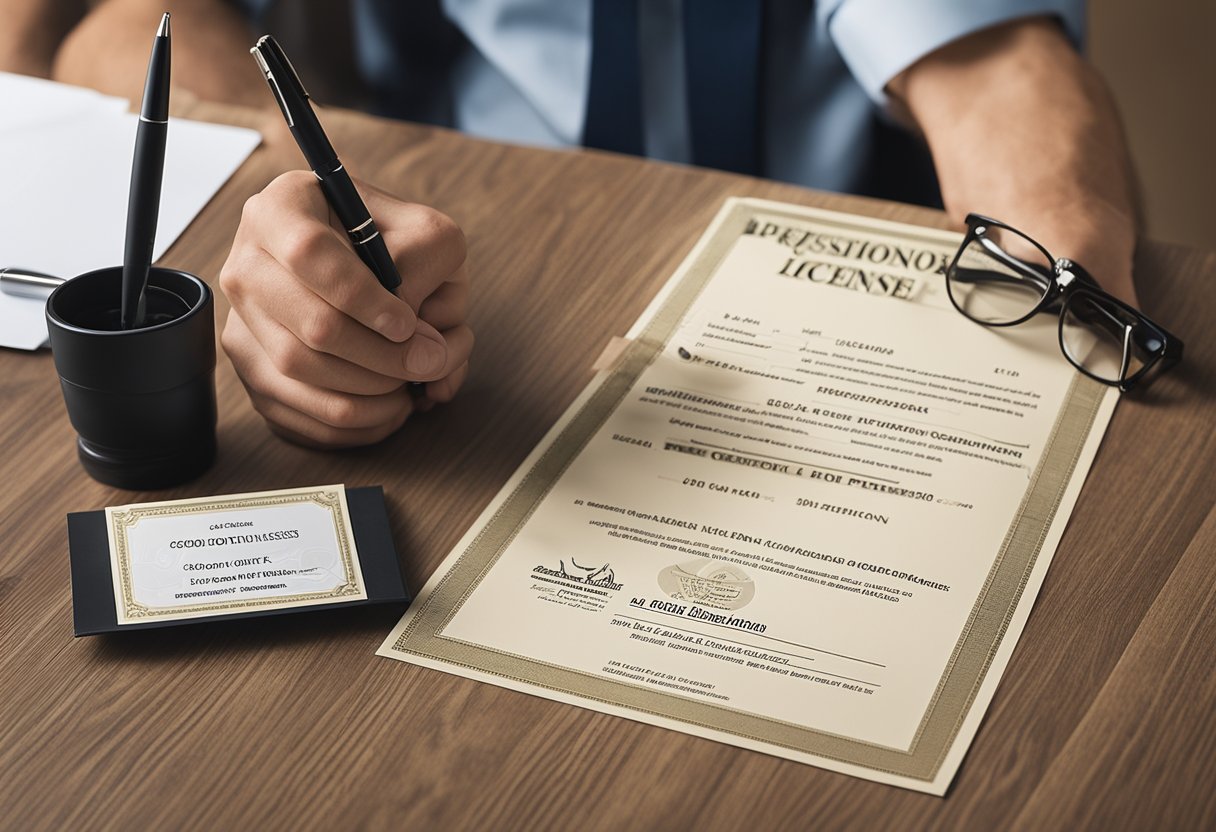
x=333, y=498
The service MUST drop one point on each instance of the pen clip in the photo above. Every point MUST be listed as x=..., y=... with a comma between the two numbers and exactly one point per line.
x=284, y=64
x=293, y=100
x=275, y=89
x=277, y=68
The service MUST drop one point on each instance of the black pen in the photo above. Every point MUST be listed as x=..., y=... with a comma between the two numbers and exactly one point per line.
x=147, y=169
x=319, y=153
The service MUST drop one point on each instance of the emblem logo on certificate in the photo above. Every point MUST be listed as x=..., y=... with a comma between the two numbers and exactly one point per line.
x=154, y=564
x=806, y=511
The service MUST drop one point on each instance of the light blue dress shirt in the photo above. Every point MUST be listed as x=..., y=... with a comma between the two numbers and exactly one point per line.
x=525, y=78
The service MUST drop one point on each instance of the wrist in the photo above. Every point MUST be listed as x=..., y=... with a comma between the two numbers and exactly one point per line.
x=1023, y=130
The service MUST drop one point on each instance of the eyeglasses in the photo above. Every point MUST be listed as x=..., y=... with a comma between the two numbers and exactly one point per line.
x=1001, y=277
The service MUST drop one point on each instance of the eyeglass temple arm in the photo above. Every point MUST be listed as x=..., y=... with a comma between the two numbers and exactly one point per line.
x=1172, y=352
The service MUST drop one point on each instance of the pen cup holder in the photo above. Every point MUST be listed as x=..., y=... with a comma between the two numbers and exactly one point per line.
x=142, y=401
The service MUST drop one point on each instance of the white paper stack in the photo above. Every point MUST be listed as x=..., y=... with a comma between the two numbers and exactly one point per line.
x=63, y=210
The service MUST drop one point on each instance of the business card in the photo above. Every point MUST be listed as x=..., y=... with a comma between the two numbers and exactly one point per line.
x=238, y=553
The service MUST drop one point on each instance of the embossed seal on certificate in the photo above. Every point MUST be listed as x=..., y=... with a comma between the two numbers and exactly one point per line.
x=710, y=583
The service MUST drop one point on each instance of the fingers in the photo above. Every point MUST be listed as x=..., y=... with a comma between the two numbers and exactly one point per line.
x=292, y=359
x=321, y=346
x=428, y=253
x=286, y=220
x=321, y=328
x=460, y=346
x=322, y=417
x=459, y=342
x=428, y=246
x=448, y=306
x=303, y=430
x=445, y=389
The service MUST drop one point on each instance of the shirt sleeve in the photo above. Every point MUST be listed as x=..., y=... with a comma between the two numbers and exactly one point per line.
x=878, y=39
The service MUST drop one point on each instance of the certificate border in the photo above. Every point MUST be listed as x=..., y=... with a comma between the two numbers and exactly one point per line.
x=121, y=518
x=978, y=644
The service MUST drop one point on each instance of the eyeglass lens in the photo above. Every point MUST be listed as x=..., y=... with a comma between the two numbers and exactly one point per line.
x=999, y=276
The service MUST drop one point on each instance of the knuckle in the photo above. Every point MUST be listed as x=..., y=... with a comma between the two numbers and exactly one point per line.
x=253, y=207
x=301, y=248
x=340, y=411
x=290, y=183
x=256, y=384
x=288, y=359
x=280, y=194
x=436, y=229
x=230, y=279
x=320, y=331
x=263, y=406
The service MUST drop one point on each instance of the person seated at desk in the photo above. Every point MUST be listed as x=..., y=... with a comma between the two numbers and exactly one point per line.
x=1019, y=127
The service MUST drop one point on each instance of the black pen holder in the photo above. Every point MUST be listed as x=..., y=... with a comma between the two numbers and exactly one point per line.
x=142, y=400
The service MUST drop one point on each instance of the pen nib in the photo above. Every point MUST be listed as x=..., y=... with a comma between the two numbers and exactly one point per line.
x=163, y=31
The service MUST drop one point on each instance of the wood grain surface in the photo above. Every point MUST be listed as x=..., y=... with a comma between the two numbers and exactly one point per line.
x=1106, y=717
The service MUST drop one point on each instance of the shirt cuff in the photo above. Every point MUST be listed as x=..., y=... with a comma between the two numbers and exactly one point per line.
x=879, y=39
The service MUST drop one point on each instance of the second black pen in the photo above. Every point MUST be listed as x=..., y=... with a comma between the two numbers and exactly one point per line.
x=323, y=160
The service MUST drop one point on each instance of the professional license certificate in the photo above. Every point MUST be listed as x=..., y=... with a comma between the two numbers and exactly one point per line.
x=237, y=553
x=805, y=512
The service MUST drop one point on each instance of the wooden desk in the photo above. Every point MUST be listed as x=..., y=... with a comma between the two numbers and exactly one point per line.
x=1105, y=717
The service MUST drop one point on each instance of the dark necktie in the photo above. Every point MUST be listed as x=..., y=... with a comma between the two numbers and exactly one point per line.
x=722, y=60
x=614, y=95
x=722, y=57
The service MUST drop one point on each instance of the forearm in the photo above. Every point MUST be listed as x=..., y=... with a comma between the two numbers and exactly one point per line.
x=31, y=32
x=1022, y=128
x=109, y=50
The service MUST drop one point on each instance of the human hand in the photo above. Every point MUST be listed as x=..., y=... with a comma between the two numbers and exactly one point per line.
x=322, y=348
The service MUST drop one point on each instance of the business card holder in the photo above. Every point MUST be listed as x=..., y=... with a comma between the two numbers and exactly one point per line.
x=93, y=603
